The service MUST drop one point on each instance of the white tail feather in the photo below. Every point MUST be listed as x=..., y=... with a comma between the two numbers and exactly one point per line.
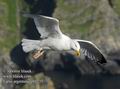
x=29, y=45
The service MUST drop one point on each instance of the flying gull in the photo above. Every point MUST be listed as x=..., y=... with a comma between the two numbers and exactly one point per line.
x=54, y=39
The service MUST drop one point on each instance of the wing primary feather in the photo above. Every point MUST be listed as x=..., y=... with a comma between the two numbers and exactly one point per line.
x=90, y=50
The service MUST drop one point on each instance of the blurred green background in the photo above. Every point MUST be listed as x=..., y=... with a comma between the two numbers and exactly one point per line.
x=9, y=32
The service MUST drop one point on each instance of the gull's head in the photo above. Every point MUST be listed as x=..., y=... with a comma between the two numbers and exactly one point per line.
x=75, y=47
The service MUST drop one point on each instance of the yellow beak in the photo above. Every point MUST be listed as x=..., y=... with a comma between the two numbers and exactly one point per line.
x=77, y=53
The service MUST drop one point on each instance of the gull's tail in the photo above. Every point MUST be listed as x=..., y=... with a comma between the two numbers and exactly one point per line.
x=29, y=45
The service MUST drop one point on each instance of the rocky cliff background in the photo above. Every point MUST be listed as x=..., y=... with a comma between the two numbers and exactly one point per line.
x=94, y=20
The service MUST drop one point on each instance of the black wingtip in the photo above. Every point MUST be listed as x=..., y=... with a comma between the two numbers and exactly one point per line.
x=102, y=61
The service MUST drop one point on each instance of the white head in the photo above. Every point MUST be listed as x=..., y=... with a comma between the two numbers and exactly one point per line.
x=75, y=47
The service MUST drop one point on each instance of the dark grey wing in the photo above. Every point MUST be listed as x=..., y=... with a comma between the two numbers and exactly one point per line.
x=91, y=51
x=46, y=26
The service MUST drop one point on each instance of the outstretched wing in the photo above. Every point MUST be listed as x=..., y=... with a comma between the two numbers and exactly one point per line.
x=91, y=51
x=46, y=26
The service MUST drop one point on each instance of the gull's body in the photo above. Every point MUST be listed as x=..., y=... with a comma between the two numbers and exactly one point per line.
x=62, y=43
x=53, y=38
x=59, y=44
